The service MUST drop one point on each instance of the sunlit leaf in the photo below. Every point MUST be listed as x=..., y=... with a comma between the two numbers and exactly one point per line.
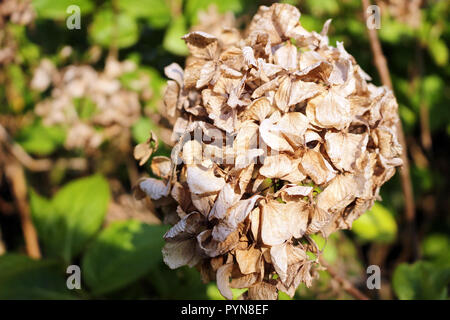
x=172, y=40
x=157, y=12
x=421, y=280
x=439, y=51
x=121, y=254
x=377, y=224
x=39, y=139
x=67, y=221
x=213, y=292
x=51, y=9
x=141, y=129
x=436, y=246
x=108, y=29
x=327, y=247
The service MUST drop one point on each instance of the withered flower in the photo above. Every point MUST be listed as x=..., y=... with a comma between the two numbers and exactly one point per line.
x=85, y=100
x=275, y=141
x=19, y=12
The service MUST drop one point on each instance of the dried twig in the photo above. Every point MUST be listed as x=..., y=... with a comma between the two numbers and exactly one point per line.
x=425, y=133
x=16, y=176
x=21, y=155
x=346, y=284
x=37, y=165
x=2, y=245
x=382, y=67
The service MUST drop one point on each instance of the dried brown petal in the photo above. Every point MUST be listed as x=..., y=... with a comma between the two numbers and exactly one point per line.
x=282, y=221
x=181, y=253
x=262, y=291
x=223, y=280
x=248, y=260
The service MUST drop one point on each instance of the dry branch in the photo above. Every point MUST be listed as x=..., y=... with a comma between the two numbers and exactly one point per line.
x=16, y=176
x=346, y=284
x=37, y=165
x=383, y=70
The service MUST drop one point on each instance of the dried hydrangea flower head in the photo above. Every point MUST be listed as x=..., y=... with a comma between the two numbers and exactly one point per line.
x=275, y=141
x=83, y=99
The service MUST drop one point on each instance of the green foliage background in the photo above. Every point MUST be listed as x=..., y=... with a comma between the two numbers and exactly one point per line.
x=123, y=260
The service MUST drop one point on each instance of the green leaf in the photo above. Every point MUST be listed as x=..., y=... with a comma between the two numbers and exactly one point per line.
x=213, y=293
x=176, y=284
x=41, y=140
x=157, y=12
x=172, y=39
x=421, y=280
x=283, y=296
x=24, y=278
x=51, y=9
x=438, y=51
x=16, y=88
x=85, y=107
x=377, y=224
x=436, y=247
x=141, y=129
x=72, y=217
x=319, y=8
x=393, y=31
x=408, y=116
x=433, y=89
x=108, y=27
x=330, y=252
x=121, y=254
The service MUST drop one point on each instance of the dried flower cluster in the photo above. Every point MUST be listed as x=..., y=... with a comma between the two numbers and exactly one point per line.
x=279, y=136
x=16, y=12
x=407, y=12
x=86, y=100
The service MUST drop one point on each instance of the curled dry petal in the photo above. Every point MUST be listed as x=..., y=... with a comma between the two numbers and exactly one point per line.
x=277, y=166
x=188, y=227
x=259, y=109
x=143, y=151
x=226, y=198
x=282, y=221
x=234, y=216
x=244, y=281
x=249, y=260
x=181, y=253
x=223, y=280
x=202, y=180
x=279, y=259
x=201, y=44
x=329, y=110
x=175, y=72
x=262, y=291
x=161, y=166
x=344, y=149
x=313, y=164
x=339, y=193
x=155, y=189
x=272, y=136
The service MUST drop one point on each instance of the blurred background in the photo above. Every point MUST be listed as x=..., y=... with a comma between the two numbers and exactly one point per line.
x=74, y=102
